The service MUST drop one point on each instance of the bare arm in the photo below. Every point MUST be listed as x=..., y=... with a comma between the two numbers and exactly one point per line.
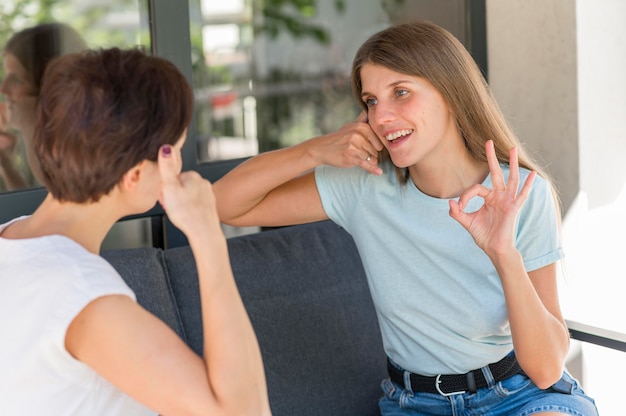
x=540, y=335
x=10, y=174
x=278, y=187
x=144, y=358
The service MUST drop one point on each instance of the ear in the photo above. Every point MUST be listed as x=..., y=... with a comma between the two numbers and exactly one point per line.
x=132, y=177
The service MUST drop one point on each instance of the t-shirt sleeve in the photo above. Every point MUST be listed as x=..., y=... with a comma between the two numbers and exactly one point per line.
x=88, y=280
x=340, y=190
x=538, y=229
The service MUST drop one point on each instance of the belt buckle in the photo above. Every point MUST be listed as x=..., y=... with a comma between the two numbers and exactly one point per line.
x=438, y=382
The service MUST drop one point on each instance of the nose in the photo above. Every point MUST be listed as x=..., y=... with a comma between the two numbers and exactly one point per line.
x=383, y=113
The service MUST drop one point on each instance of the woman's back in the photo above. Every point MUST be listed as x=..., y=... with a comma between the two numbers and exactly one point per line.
x=45, y=282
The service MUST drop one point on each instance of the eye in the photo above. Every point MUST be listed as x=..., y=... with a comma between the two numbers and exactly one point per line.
x=400, y=92
x=370, y=102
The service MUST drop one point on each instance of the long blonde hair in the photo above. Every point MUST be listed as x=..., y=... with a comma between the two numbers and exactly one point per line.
x=425, y=50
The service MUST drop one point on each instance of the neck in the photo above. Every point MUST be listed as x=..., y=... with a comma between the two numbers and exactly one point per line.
x=449, y=173
x=87, y=224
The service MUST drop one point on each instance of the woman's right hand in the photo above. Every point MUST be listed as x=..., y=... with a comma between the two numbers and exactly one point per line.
x=186, y=197
x=279, y=188
x=8, y=141
x=354, y=144
x=9, y=171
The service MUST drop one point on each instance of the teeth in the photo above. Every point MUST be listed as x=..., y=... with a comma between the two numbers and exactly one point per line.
x=397, y=134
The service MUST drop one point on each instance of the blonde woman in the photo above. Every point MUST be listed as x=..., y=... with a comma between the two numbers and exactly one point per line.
x=457, y=228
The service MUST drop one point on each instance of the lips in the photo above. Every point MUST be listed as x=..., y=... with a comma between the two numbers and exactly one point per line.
x=398, y=135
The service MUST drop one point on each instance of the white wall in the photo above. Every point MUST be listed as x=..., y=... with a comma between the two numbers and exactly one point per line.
x=558, y=69
x=532, y=72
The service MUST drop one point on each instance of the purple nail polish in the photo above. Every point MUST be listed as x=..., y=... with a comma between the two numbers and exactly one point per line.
x=167, y=150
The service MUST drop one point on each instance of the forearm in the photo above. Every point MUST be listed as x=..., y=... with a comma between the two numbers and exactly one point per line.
x=231, y=352
x=244, y=187
x=540, y=336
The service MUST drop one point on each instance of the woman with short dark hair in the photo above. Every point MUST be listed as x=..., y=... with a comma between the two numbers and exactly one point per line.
x=110, y=127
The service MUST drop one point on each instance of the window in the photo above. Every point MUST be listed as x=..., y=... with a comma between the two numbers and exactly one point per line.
x=83, y=24
x=269, y=74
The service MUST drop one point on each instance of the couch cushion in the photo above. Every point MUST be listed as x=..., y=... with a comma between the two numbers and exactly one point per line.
x=181, y=266
x=143, y=270
x=305, y=291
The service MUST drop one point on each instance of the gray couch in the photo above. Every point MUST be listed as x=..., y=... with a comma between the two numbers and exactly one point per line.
x=305, y=291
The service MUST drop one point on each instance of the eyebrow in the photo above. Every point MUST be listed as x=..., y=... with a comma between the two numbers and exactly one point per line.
x=392, y=85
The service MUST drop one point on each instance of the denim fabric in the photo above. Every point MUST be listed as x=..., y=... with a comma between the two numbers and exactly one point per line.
x=515, y=396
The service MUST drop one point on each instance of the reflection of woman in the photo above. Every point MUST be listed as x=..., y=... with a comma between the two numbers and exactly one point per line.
x=26, y=56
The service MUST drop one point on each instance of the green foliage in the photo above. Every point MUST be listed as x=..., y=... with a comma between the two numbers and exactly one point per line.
x=293, y=17
x=390, y=5
x=88, y=20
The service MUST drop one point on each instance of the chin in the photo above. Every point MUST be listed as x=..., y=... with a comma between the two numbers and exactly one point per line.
x=401, y=163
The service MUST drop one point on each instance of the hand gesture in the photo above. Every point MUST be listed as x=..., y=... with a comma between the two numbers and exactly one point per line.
x=354, y=144
x=8, y=141
x=186, y=197
x=493, y=225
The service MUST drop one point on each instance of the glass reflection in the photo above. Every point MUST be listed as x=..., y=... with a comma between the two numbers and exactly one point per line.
x=268, y=74
x=26, y=55
x=30, y=36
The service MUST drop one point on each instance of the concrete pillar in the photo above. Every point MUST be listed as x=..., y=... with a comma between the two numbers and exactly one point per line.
x=531, y=48
x=558, y=70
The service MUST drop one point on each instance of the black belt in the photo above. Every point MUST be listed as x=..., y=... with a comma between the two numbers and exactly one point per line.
x=448, y=385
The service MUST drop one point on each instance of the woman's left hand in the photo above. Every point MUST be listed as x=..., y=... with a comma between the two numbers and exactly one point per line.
x=493, y=225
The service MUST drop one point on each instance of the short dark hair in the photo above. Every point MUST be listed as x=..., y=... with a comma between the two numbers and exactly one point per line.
x=103, y=111
x=36, y=46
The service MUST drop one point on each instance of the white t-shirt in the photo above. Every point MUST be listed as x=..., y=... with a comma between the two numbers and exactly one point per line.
x=438, y=297
x=44, y=283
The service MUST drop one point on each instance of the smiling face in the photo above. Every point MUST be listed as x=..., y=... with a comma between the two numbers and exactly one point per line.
x=408, y=114
x=19, y=92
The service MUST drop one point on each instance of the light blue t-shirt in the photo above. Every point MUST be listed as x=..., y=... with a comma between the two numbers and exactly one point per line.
x=439, y=300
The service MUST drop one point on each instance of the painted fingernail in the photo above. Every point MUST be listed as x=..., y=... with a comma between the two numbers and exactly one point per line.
x=167, y=150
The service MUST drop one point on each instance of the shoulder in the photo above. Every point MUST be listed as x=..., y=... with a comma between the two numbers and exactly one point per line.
x=14, y=220
x=83, y=277
x=93, y=274
x=541, y=186
x=355, y=176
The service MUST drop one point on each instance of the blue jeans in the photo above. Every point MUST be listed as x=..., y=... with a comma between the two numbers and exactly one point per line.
x=515, y=396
